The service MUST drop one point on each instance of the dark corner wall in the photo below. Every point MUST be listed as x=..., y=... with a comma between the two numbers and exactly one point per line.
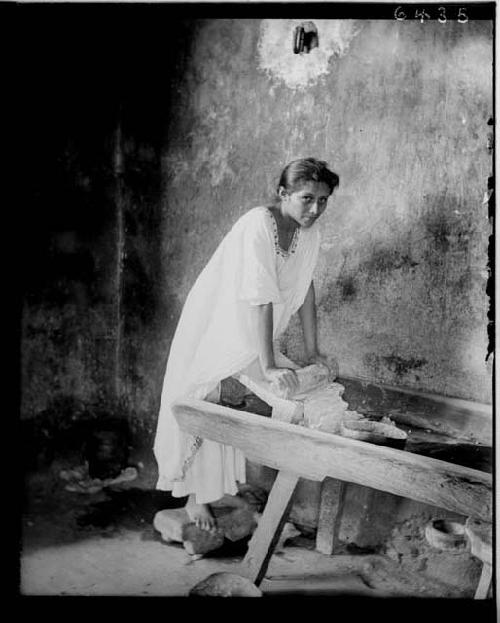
x=155, y=134
x=95, y=289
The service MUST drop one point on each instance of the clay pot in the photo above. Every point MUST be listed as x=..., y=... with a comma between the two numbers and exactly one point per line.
x=373, y=432
x=445, y=534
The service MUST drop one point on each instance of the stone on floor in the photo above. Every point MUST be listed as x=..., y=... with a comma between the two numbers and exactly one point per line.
x=225, y=585
x=175, y=525
x=170, y=523
x=198, y=542
x=235, y=524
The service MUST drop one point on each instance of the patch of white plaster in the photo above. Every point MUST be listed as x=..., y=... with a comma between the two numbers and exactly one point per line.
x=210, y=151
x=326, y=246
x=471, y=66
x=175, y=166
x=218, y=161
x=298, y=71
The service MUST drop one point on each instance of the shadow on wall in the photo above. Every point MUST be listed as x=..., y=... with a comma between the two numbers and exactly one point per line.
x=76, y=430
x=399, y=366
x=426, y=272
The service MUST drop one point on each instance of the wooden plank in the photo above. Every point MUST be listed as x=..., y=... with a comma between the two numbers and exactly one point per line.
x=316, y=455
x=456, y=403
x=330, y=511
x=480, y=535
x=484, y=585
x=264, y=539
x=462, y=419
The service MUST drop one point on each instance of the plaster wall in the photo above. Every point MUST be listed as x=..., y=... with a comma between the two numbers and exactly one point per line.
x=207, y=119
x=92, y=281
x=400, y=112
x=143, y=170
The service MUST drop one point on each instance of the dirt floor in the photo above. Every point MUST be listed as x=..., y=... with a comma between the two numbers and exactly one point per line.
x=104, y=544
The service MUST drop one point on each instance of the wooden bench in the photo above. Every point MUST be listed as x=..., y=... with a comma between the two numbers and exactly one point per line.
x=479, y=534
x=298, y=452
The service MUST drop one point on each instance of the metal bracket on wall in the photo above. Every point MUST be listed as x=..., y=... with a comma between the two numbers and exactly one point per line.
x=305, y=38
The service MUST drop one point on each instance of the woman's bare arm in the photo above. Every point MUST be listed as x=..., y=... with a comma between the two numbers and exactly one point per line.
x=308, y=319
x=307, y=315
x=264, y=335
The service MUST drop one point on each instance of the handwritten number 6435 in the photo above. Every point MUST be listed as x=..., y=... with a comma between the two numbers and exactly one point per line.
x=420, y=14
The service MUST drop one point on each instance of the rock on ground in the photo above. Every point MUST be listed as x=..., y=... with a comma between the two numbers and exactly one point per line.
x=225, y=585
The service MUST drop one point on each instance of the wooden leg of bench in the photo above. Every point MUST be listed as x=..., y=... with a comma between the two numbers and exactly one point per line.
x=330, y=512
x=265, y=537
x=484, y=582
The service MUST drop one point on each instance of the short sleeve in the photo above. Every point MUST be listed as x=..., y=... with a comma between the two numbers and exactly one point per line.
x=258, y=279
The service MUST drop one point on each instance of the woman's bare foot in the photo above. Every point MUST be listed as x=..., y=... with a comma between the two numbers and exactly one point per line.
x=201, y=514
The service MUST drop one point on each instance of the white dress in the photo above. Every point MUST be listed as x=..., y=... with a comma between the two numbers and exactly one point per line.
x=216, y=338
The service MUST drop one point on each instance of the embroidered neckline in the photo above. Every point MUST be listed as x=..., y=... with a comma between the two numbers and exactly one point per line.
x=293, y=244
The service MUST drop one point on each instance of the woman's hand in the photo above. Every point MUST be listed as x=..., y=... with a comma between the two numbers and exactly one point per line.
x=325, y=360
x=284, y=378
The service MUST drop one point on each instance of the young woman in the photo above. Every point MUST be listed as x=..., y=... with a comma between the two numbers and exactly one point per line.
x=259, y=276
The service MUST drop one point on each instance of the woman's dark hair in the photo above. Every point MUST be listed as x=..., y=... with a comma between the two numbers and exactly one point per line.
x=299, y=172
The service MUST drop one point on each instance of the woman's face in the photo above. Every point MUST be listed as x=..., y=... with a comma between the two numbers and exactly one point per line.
x=306, y=204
